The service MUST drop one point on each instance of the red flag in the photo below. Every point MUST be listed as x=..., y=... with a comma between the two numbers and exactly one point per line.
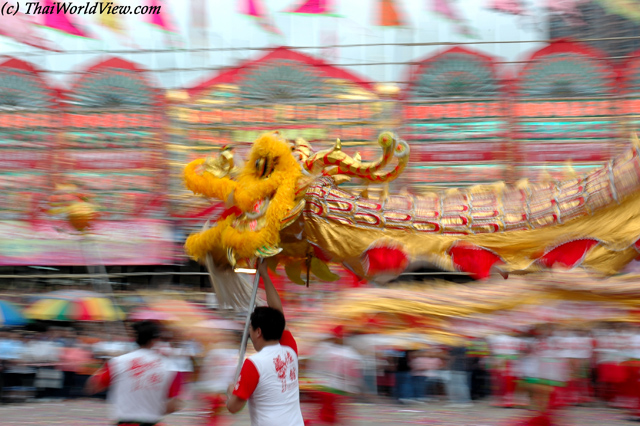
x=162, y=18
x=254, y=9
x=445, y=9
x=21, y=28
x=59, y=20
x=314, y=7
x=388, y=15
x=512, y=7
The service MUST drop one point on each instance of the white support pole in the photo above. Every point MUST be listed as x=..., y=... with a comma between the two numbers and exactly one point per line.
x=245, y=334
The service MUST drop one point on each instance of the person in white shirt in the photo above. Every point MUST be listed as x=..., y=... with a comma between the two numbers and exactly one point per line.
x=218, y=370
x=336, y=370
x=506, y=351
x=142, y=388
x=269, y=379
x=579, y=353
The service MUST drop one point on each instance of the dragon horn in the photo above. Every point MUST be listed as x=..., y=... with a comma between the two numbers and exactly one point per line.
x=343, y=164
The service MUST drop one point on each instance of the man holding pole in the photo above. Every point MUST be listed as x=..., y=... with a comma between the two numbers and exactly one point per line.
x=269, y=379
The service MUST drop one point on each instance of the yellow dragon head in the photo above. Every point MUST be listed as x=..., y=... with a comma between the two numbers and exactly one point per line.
x=266, y=194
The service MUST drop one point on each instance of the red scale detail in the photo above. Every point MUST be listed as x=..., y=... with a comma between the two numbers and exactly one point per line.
x=568, y=254
x=474, y=260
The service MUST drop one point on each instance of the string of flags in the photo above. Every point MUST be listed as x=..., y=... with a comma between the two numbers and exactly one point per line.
x=27, y=28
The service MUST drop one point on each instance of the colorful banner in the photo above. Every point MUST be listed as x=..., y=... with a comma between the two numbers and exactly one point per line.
x=458, y=152
x=25, y=159
x=127, y=242
x=454, y=174
x=577, y=152
x=108, y=159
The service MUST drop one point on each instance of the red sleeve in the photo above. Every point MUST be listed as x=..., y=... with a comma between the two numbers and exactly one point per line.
x=248, y=380
x=176, y=386
x=102, y=377
x=288, y=340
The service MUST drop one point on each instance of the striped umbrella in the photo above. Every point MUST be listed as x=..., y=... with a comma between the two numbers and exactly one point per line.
x=10, y=315
x=79, y=309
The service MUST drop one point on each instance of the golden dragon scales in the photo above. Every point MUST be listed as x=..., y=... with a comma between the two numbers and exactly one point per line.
x=286, y=204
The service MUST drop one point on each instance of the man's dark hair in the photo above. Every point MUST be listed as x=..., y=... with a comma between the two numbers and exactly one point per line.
x=146, y=331
x=270, y=321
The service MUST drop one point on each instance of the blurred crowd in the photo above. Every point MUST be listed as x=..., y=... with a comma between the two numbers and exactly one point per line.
x=56, y=362
x=599, y=363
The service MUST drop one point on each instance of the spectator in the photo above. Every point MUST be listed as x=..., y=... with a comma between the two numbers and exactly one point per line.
x=73, y=358
x=458, y=384
x=218, y=369
x=336, y=369
x=403, y=378
x=426, y=370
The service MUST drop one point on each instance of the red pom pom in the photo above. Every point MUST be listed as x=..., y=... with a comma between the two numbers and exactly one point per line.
x=385, y=259
x=474, y=260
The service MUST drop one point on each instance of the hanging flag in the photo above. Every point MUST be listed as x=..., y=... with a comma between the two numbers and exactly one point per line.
x=445, y=9
x=111, y=22
x=198, y=24
x=388, y=15
x=511, y=7
x=22, y=29
x=568, y=10
x=254, y=9
x=198, y=14
x=116, y=24
x=314, y=7
x=58, y=20
x=162, y=18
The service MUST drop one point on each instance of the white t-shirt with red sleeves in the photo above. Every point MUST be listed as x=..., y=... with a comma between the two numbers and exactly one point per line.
x=140, y=385
x=269, y=381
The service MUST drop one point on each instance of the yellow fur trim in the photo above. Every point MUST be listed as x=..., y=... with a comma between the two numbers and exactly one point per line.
x=280, y=185
x=198, y=245
x=250, y=188
x=204, y=183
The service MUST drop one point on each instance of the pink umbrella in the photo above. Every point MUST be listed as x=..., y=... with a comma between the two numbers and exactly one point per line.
x=151, y=315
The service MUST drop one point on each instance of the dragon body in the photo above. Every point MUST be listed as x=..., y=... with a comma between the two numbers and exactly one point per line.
x=288, y=203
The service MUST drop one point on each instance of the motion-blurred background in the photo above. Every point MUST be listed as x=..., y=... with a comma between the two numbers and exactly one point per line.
x=106, y=109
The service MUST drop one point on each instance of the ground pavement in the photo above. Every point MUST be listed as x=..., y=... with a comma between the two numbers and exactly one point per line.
x=95, y=413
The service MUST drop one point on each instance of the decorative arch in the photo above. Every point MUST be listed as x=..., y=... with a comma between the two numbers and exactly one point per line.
x=455, y=73
x=113, y=83
x=22, y=86
x=566, y=69
x=630, y=78
x=283, y=75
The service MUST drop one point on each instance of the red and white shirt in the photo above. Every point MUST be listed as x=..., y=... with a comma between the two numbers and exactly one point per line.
x=269, y=381
x=140, y=385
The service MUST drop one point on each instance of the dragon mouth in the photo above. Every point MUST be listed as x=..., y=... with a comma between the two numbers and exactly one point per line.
x=255, y=219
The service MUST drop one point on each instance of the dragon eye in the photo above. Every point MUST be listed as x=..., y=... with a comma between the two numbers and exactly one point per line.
x=262, y=165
